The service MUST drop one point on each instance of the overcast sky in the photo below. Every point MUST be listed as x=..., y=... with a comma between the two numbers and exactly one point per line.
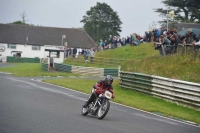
x=136, y=15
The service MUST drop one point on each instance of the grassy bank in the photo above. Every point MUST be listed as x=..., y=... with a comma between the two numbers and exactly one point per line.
x=135, y=99
x=180, y=67
x=145, y=59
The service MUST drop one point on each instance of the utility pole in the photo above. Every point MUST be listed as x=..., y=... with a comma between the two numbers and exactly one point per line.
x=167, y=20
x=23, y=15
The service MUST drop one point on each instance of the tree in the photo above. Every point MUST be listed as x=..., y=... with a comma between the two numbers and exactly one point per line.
x=184, y=10
x=152, y=26
x=23, y=22
x=17, y=22
x=101, y=21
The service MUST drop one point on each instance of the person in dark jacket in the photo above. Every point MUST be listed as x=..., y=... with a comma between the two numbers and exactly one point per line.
x=74, y=52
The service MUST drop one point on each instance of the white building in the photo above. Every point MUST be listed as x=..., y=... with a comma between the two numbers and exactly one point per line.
x=41, y=42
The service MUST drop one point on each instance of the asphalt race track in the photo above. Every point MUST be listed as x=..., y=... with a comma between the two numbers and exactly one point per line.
x=29, y=106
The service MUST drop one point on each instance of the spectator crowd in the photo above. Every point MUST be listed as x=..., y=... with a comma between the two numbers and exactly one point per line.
x=166, y=41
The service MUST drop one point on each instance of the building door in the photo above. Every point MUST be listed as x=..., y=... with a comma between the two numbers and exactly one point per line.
x=51, y=61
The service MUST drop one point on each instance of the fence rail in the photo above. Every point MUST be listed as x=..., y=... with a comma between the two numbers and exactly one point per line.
x=189, y=49
x=186, y=93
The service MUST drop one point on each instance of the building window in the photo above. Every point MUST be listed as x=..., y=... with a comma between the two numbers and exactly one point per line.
x=55, y=54
x=35, y=47
x=12, y=46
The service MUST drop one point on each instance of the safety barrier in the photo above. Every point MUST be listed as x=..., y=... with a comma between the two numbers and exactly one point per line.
x=22, y=60
x=87, y=70
x=62, y=67
x=186, y=93
x=45, y=66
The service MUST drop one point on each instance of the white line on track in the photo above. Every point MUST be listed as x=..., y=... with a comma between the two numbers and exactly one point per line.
x=82, y=99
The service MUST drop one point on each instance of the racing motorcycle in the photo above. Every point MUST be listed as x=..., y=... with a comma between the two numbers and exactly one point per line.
x=99, y=107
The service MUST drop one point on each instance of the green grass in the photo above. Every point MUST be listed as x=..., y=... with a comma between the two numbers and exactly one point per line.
x=180, y=67
x=145, y=59
x=31, y=70
x=135, y=99
x=80, y=62
x=130, y=52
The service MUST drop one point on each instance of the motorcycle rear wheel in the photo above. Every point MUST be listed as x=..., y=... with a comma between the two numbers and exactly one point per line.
x=103, y=110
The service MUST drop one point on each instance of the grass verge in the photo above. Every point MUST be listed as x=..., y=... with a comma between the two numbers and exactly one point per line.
x=135, y=99
x=31, y=70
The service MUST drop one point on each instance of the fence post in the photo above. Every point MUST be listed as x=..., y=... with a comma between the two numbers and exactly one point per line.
x=163, y=51
x=119, y=67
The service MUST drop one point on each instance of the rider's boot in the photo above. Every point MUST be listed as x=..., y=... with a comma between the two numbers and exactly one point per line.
x=90, y=100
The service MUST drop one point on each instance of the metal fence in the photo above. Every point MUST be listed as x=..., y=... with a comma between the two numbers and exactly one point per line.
x=186, y=93
x=189, y=49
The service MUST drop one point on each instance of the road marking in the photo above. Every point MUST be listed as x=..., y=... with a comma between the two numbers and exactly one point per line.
x=47, y=89
x=82, y=99
x=153, y=118
x=184, y=122
x=5, y=73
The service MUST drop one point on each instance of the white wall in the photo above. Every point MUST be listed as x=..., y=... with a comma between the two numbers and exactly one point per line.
x=61, y=59
x=29, y=53
x=26, y=51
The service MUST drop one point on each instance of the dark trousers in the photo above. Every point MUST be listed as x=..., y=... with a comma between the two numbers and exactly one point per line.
x=91, y=59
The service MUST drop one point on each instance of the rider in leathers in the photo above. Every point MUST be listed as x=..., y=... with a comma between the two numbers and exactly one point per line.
x=100, y=88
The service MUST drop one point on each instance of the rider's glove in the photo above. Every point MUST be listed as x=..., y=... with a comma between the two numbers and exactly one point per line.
x=113, y=96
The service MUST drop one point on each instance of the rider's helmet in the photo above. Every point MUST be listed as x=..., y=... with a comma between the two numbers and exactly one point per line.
x=108, y=80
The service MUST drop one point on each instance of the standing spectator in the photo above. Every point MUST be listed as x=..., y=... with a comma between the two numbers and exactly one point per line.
x=173, y=44
x=80, y=51
x=106, y=44
x=158, y=33
x=92, y=53
x=150, y=36
x=86, y=54
x=127, y=40
x=101, y=44
x=177, y=39
x=154, y=34
x=83, y=51
x=123, y=41
x=114, y=42
x=74, y=52
x=147, y=36
x=130, y=40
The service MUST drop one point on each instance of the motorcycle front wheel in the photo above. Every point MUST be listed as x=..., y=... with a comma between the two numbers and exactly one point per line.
x=103, y=110
x=84, y=111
